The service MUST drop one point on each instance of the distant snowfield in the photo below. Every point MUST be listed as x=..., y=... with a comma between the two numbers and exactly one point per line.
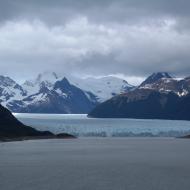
x=81, y=125
x=104, y=88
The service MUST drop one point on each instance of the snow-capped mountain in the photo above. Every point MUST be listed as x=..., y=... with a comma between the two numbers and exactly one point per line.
x=50, y=93
x=159, y=97
x=163, y=82
x=96, y=89
x=62, y=97
x=10, y=90
x=104, y=87
x=145, y=104
x=154, y=78
x=47, y=79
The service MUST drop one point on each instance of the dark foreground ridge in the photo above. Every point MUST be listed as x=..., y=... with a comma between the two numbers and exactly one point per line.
x=12, y=129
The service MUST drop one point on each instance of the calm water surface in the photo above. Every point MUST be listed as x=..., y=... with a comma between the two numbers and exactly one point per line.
x=81, y=125
x=96, y=164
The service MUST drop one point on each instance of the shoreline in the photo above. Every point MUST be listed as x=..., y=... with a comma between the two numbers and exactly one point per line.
x=25, y=138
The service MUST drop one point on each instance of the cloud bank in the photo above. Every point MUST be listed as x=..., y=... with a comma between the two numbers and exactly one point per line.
x=132, y=38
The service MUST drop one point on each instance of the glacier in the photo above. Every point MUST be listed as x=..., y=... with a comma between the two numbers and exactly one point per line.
x=82, y=126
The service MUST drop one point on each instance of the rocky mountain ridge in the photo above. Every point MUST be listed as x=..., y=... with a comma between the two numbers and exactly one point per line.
x=159, y=97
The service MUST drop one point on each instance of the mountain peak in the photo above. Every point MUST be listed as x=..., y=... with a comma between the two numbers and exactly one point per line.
x=63, y=83
x=162, y=75
x=45, y=79
x=6, y=81
x=65, y=80
x=47, y=76
x=155, y=77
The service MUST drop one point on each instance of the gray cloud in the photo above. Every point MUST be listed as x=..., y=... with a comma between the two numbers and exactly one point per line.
x=88, y=37
x=53, y=11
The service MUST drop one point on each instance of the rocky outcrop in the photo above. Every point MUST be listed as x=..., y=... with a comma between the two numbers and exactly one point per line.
x=12, y=129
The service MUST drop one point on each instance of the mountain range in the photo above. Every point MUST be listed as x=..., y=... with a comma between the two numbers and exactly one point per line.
x=50, y=93
x=160, y=96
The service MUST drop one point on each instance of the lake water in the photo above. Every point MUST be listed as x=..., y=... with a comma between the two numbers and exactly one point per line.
x=81, y=125
x=96, y=164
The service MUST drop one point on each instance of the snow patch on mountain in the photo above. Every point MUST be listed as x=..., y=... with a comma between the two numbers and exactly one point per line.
x=10, y=90
x=47, y=79
x=103, y=88
x=163, y=82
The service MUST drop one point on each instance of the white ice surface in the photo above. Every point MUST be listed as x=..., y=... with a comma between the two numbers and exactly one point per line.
x=80, y=125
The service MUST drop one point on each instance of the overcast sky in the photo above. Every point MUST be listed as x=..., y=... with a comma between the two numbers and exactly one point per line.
x=94, y=37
